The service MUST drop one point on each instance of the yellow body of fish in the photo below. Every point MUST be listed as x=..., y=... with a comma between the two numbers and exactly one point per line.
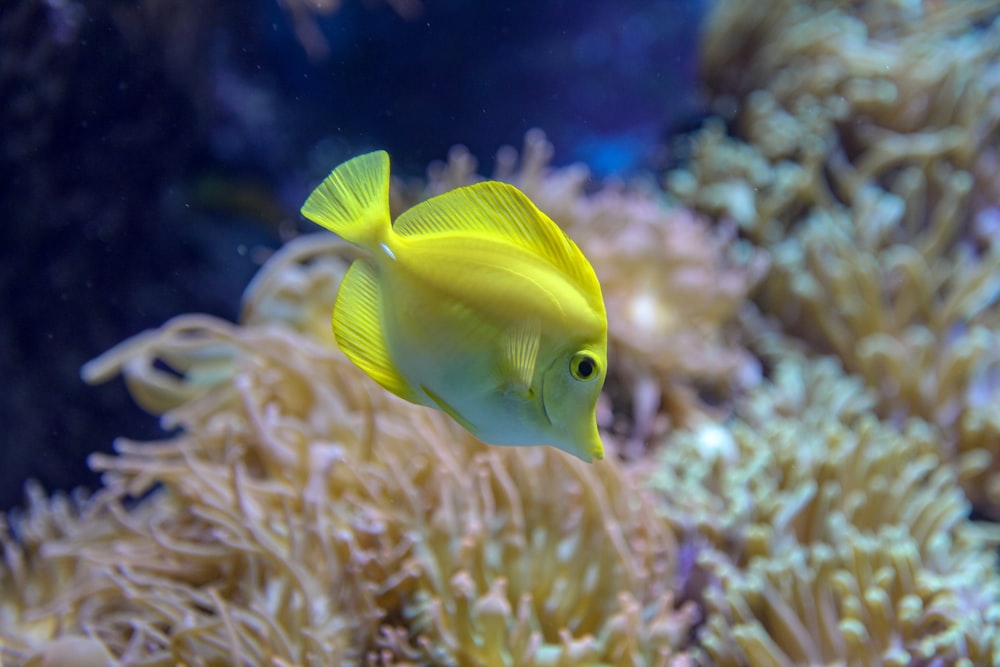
x=474, y=302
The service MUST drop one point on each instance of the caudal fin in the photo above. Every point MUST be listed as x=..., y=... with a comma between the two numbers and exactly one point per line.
x=353, y=201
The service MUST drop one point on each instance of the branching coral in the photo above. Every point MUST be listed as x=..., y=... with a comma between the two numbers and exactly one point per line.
x=832, y=538
x=302, y=515
x=867, y=130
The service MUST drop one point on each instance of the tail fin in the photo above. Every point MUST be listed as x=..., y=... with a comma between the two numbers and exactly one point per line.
x=353, y=201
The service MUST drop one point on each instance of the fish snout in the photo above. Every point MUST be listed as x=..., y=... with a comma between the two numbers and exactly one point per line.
x=586, y=443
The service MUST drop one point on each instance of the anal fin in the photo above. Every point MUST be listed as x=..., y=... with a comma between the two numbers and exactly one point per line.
x=450, y=411
x=357, y=326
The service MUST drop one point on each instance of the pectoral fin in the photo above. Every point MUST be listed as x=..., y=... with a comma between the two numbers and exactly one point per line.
x=518, y=356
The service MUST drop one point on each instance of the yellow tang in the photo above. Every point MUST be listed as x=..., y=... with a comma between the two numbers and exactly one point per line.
x=474, y=302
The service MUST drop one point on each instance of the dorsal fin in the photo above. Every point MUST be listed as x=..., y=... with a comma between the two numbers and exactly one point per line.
x=499, y=210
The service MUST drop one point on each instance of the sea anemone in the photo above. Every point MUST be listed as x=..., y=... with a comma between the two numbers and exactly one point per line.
x=302, y=515
x=829, y=537
x=863, y=176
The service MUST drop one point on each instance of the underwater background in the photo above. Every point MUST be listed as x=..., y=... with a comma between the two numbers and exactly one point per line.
x=155, y=153
x=794, y=212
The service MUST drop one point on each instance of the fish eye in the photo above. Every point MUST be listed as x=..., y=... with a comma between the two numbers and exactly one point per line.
x=583, y=366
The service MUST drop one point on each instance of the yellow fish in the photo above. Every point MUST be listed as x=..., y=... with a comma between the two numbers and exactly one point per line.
x=473, y=302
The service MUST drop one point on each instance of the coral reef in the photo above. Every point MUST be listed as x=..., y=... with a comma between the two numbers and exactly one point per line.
x=802, y=416
x=867, y=137
x=830, y=537
x=304, y=516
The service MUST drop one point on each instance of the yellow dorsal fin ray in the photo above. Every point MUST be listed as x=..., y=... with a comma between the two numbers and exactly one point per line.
x=353, y=201
x=517, y=361
x=499, y=210
x=357, y=326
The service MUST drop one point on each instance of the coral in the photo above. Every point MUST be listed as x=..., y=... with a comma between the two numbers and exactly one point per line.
x=304, y=516
x=864, y=600
x=33, y=572
x=833, y=538
x=867, y=178
x=769, y=505
x=301, y=515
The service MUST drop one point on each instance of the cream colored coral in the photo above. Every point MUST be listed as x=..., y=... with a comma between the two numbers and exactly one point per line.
x=865, y=599
x=775, y=477
x=866, y=129
x=830, y=537
x=303, y=516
